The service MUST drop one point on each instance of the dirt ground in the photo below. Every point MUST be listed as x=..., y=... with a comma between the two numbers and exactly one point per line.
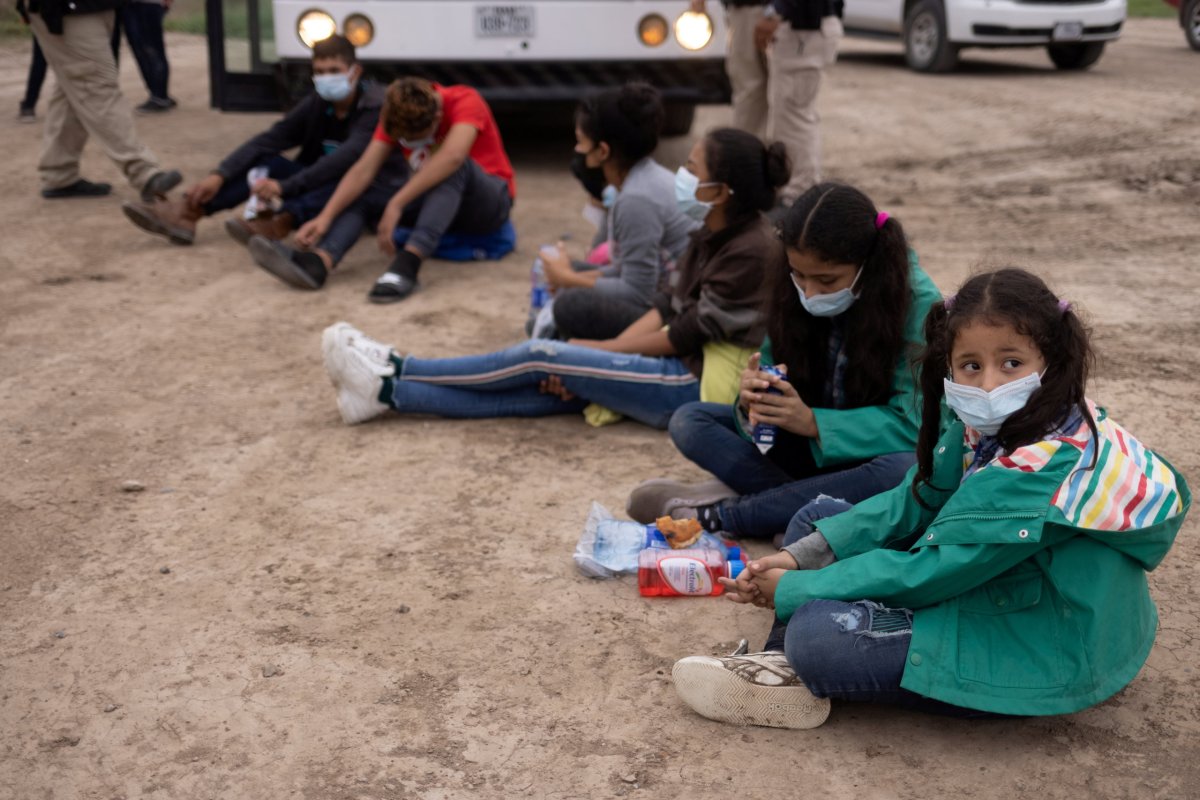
x=409, y=582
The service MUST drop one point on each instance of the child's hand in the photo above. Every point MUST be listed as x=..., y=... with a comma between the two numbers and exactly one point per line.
x=766, y=582
x=740, y=589
x=785, y=409
x=781, y=560
x=553, y=385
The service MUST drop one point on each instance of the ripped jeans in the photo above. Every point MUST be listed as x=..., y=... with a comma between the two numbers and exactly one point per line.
x=505, y=383
x=851, y=651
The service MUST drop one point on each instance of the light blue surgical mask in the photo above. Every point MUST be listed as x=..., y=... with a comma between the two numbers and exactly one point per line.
x=987, y=411
x=608, y=196
x=686, y=184
x=335, y=87
x=831, y=304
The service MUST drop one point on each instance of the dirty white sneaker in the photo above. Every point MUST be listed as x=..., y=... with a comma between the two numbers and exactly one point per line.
x=358, y=381
x=751, y=689
x=342, y=337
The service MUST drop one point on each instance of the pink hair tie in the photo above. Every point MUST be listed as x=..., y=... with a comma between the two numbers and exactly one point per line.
x=1064, y=306
x=948, y=303
x=881, y=218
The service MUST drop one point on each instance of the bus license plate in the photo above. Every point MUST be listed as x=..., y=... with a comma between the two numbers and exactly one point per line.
x=503, y=21
x=1067, y=32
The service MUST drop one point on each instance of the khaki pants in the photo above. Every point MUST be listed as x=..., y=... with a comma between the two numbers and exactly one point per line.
x=796, y=60
x=86, y=102
x=746, y=67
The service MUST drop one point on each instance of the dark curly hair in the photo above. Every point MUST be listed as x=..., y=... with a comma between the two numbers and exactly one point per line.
x=627, y=119
x=751, y=171
x=836, y=224
x=1019, y=299
x=410, y=107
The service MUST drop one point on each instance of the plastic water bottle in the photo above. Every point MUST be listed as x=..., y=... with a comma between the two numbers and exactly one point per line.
x=619, y=542
x=764, y=432
x=686, y=573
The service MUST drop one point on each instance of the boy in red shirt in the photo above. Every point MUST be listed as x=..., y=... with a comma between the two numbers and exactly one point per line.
x=460, y=181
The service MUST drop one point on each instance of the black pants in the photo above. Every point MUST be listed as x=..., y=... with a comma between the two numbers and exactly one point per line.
x=143, y=23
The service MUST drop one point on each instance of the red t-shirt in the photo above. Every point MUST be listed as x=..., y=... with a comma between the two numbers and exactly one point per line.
x=462, y=104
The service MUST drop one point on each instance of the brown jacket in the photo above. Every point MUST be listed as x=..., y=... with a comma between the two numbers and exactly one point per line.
x=717, y=288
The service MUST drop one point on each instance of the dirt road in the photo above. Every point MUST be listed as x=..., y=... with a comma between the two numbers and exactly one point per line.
x=407, y=584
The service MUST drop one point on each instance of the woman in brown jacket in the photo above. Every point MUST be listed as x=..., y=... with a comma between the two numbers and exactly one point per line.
x=653, y=367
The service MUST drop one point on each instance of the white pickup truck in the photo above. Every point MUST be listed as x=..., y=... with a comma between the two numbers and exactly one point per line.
x=1073, y=32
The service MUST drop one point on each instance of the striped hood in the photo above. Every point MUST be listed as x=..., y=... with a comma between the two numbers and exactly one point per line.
x=1123, y=500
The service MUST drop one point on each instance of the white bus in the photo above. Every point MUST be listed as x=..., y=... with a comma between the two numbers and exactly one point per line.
x=538, y=51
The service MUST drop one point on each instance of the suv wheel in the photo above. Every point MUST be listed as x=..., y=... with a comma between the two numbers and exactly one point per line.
x=1075, y=56
x=926, y=47
x=1189, y=17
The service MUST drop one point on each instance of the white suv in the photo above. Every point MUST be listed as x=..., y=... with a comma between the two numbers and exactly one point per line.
x=1073, y=32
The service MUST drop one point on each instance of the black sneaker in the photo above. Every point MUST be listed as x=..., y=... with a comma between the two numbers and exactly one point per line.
x=302, y=270
x=392, y=288
x=79, y=188
x=159, y=184
x=155, y=105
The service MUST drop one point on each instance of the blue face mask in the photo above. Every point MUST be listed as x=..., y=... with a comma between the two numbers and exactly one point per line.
x=686, y=185
x=987, y=411
x=608, y=196
x=831, y=304
x=333, y=87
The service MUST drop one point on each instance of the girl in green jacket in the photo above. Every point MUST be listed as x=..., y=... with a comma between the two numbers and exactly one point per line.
x=844, y=320
x=1006, y=575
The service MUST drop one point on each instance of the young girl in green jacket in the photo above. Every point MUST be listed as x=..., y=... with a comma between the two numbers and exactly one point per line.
x=1006, y=575
x=844, y=320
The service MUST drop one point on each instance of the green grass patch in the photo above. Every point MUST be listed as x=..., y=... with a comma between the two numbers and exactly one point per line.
x=1151, y=8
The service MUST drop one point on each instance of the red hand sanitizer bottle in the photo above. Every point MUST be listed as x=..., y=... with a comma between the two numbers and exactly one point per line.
x=685, y=573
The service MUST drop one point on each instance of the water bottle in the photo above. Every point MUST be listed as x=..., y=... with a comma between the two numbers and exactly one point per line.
x=539, y=291
x=764, y=432
x=686, y=573
x=619, y=542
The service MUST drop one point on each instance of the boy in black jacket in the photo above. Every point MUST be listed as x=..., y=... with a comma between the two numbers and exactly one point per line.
x=331, y=126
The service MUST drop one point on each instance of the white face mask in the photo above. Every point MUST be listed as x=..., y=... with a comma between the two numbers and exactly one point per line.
x=831, y=304
x=987, y=411
x=415, y=144
x=335, y=87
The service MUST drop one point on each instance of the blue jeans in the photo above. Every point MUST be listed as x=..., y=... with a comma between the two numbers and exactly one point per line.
x=235, y=191
x=770, y=494
x=505, y=383
x=143, y=23
x=850, y=651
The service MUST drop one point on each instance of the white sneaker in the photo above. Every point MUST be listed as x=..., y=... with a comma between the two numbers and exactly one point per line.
x=358, y=382
x=752, y=689
x=342, y=337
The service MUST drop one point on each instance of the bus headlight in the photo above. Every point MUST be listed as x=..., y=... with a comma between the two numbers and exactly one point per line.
x=315, y=25
x=652, y=30
x=358, y=29
x=694, y=31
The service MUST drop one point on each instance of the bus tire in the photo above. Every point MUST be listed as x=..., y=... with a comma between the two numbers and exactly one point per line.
x=1189, y=18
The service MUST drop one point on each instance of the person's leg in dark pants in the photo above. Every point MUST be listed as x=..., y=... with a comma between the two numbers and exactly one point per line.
x=707, y=434
x=143, y=28
x=470, y=201
x=33, y=85
x=235, y=191
x=590, y=313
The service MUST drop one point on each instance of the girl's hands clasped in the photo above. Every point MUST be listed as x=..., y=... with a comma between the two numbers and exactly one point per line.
x=756, y=584
x=786, y=410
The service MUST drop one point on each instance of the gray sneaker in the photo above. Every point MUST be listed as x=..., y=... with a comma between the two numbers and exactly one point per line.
x=661, y=497
x=751, y=689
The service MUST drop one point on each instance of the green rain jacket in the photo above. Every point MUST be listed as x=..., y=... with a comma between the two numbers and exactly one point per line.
x=1027, y=579
x=850, y=435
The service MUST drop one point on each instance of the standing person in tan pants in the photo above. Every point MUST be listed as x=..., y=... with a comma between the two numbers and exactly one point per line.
x=75, y=37
x=745, y=64
x=800, y=38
